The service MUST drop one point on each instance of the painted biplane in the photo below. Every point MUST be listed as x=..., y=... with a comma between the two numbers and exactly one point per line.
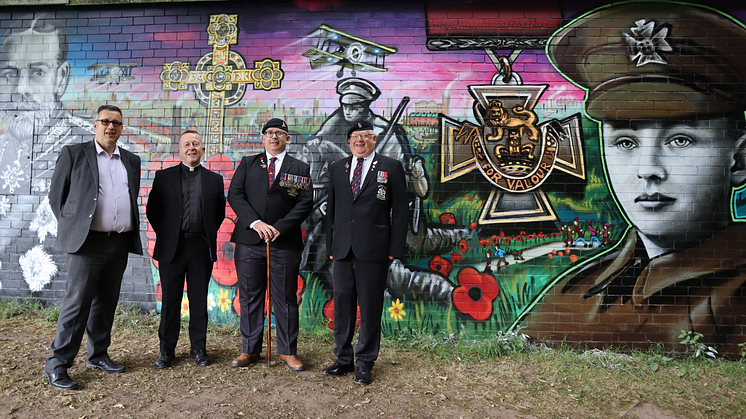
x=112, y=72
x=334, y=47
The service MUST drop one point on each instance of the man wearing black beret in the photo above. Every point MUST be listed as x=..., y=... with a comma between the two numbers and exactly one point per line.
x=271, y=195
x=366, y=228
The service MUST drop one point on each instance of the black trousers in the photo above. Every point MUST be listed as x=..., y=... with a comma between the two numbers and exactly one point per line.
x=358, y=283
x=192, y=260
x=94, y=277
x=251, y=267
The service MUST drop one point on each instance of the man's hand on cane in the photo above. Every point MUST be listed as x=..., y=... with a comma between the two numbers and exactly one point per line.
x=267, y=232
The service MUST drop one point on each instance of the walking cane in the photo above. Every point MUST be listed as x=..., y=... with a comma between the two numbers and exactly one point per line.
x=268, y=305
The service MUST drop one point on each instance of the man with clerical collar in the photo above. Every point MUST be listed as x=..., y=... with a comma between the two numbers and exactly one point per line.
x=271, y=194
x=185, y=207
x=667, y=84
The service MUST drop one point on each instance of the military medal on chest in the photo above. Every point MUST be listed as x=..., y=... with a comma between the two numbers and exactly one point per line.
x=294, y=183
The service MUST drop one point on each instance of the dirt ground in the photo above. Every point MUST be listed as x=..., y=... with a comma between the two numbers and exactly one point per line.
x=407, y=384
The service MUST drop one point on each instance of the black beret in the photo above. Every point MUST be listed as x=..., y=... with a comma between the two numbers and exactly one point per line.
x=654, y=60
x=359, y=125
x=275, y=123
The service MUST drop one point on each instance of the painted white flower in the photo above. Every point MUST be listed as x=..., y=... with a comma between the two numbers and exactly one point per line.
x=41, y=185
x=644, y=46
x=4, y=205
x=38, y=268
x=44, y=221
x=12, y=177
x=210, y=302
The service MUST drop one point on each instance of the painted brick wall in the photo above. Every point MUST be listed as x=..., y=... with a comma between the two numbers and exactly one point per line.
x=573, y=169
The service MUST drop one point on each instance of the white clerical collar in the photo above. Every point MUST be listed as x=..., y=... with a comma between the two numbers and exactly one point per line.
x=191, y=168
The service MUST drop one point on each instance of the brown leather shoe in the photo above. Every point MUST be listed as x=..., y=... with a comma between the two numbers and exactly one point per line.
x=245, y=359
x=293, y=362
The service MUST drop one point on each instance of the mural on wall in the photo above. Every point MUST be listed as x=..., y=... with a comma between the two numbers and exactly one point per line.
x=545, y=196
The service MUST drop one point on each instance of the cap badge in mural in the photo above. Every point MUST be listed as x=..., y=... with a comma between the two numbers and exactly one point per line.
x=644, y=46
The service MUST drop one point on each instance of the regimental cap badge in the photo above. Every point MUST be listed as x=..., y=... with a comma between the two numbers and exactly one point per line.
x=359, y=124
x=644, y=46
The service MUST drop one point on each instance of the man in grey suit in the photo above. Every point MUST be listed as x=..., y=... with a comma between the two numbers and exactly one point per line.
x=93, y=194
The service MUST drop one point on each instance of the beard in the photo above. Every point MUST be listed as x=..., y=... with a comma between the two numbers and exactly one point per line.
x=25, y=118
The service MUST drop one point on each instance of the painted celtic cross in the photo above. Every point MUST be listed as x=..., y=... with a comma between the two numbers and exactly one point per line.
x=220, y=77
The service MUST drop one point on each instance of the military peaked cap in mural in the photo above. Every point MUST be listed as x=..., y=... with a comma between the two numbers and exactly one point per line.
x=360, y=125
x=654, y=61
x=275, y=123
x=354, y=90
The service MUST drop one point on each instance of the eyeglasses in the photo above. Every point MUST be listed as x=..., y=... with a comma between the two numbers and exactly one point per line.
x=106, y=122
x=275, y=134
x=361, y=136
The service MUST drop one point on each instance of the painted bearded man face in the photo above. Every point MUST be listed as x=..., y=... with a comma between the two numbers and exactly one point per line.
x=32, y=80
x=674, y=178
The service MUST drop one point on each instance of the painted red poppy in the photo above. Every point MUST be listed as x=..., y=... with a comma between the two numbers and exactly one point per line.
x=447, y=219
x=472, y=225
x=484, y=243
x=463, y=246
x=328, y=312
x=441, y=265
x=475, y=294
x=301, y=284
x=455, y=257
x=494, y=239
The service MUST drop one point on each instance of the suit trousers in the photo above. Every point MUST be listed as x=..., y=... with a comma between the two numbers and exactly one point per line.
x=192, y=259
x=94, y=278
x=358, y=283
x=251, y=267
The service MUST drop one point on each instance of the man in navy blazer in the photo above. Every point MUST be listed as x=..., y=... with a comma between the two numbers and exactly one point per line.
x=271, y=195
x=185, y=207
x=366, y=228
x=93, y=194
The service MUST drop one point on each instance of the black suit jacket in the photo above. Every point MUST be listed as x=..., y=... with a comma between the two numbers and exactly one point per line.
x=165, y=210
x=283, y=207
x=374, y=225
x=74, y=191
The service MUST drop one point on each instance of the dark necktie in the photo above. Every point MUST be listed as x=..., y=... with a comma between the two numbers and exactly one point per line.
x=272, y=170
x=357, y=177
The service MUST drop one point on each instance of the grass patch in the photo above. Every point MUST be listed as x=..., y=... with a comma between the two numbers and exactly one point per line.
x=417, y=372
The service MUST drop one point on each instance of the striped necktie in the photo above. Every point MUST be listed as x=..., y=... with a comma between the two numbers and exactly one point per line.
x=272, y=170
x=357, y=177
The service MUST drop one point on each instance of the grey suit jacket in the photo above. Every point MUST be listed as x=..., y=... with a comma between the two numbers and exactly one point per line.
x=74, y=191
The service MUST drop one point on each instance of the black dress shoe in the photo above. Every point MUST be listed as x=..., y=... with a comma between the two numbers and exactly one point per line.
x=363, y=375
x=61, y=380
x=200, y=357
x=164, y=360
x=338, y=369
x=105, y=364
